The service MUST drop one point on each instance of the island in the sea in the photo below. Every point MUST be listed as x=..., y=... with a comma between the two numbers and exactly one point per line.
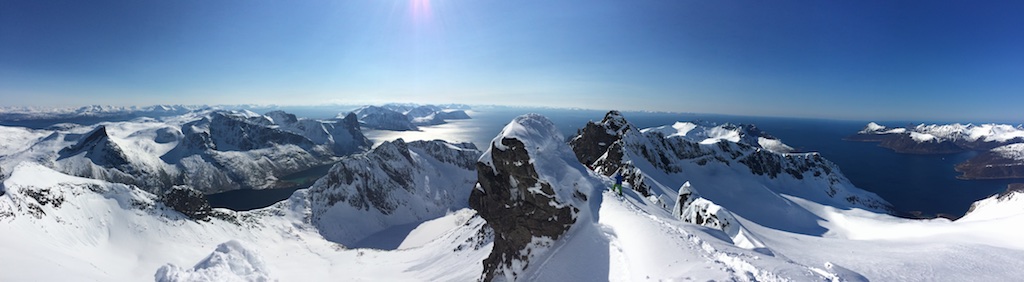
x=1001, y=145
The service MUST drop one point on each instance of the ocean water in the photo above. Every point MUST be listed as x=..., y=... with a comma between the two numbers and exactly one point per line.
x=919, y=185
x=914, y=184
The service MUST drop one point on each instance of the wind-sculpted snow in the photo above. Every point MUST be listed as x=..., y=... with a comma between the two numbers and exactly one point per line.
x=531, y=191
x=396, y=183
x=231, y=261
x=690, y=207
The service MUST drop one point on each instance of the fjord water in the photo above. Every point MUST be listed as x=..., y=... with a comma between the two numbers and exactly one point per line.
x=917, y=185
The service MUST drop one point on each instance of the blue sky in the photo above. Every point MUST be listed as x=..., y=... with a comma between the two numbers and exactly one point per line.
x=934, y=60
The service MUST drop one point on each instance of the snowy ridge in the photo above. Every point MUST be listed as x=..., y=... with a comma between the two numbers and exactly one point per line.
x=211, y=150
x=733, y=173
x=397, y=183
x=710, y=133
x=690, y=207
x=968, y=136
x=532, y=192
x=231, y=261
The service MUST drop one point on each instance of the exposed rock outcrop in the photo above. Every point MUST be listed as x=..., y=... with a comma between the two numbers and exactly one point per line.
x=188, y=201
x=528, y=209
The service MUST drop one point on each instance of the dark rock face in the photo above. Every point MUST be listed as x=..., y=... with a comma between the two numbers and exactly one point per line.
x=465, y=158
x=516, y=214
x=980, y=145
x=356, y=141
x=1011, y=189
x=600, y=146
x=594, y=139
x=371, y=192
x=99, y=149
x=395, y=183
x=903, y=143
x=230, y=133
x=990, y=165
x=188, y=201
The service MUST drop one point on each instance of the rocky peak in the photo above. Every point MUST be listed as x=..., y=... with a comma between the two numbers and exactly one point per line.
x=528, y=209
x=98, y=148
x=595, y=138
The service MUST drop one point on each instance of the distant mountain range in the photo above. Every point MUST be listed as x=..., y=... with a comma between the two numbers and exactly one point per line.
x=402, y=117
x=123, y=201
x=998, y=144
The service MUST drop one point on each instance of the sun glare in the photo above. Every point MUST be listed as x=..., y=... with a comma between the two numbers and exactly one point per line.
x=421, y=11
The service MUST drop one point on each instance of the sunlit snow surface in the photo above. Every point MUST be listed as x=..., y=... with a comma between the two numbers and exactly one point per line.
x=988, y=132
x=55, y=227
x=1012, y=151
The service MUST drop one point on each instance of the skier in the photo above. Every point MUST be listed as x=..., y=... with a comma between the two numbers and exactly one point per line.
x=618, y=183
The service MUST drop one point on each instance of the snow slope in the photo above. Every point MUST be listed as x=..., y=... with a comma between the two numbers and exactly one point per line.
x=57, y=227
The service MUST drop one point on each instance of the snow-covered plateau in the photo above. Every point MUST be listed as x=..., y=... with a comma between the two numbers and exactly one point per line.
x=701, y=202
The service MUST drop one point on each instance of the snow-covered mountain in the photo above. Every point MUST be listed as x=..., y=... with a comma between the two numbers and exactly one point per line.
x=941, y=138
x=210, y=151
x=397, y=183
x=1000, y=145
x=709, y=133
x=402, y=117
x=723, y=210
x=727, y=171
x=95, y=111
x=383, y=118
